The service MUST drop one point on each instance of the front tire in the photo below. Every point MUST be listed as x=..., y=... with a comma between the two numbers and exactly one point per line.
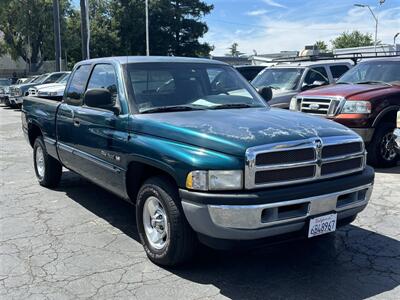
x=381, y=150
x=164, y=231
x=48, y=170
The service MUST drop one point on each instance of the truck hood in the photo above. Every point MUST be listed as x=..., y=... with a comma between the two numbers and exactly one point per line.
x=55, y=87
x=232, y=131
x=47, y=85
x=281, y=98
x=353, y=91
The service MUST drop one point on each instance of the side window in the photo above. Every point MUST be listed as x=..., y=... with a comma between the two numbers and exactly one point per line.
x=104, y=77
x=338, y=70
x=77, y=85
x=316, y=74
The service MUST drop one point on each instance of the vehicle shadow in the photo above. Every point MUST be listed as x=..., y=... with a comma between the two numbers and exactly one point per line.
x=394, y=170
x=353, y=263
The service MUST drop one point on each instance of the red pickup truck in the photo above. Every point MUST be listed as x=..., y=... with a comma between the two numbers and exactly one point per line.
x=366, y=99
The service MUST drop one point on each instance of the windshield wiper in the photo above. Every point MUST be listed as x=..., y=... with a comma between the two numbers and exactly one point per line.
x=343, y=82
x=233, y=105
x=169, y=108
x=373, y=82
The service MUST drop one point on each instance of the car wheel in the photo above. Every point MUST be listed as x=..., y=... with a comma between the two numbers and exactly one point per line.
x=48, y=170
x=164, y=231
x=381, y=151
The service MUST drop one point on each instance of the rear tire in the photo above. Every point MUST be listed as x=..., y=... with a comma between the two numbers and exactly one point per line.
x=48, y=170
x=381, y=150
x=164, y=231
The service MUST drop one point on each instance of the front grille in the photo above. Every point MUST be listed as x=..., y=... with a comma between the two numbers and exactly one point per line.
x=284, y=175
x=320, y=106
x=341, y=166
x=304, y=160
x=284, y=157
x=341, y=149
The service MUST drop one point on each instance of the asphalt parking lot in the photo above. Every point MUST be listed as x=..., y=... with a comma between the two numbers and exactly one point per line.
x=79, y=241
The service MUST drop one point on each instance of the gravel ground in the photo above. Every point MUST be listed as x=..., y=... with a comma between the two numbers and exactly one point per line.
x=79, y=241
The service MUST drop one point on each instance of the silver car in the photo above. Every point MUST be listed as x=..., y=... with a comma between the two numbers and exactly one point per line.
x=288, y=79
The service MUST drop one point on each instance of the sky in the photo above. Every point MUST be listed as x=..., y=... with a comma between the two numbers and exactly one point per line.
x=269, y=26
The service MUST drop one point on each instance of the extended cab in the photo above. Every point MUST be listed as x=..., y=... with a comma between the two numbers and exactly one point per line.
x=289, y=79
x=201, y=155
x=366, y=99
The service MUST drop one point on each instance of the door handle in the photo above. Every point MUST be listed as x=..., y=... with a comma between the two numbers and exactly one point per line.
x=77, y=123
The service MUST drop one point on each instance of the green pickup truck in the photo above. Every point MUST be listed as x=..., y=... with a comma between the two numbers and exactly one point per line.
x=195, y=148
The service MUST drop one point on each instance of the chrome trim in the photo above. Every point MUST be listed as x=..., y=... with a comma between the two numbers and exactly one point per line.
x=251, y=153
x=250, y=216
x=331, y=111
x=102, y=163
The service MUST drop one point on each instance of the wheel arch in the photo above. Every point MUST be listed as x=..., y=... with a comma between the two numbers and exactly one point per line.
x=33, y=132
x=386, y=115
x=138, y=171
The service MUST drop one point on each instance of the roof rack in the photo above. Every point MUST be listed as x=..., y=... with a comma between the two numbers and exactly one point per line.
x=354, y=56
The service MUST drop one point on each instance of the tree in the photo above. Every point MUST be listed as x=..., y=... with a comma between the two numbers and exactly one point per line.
x=175, y=27
x=352, y=39
x=321, y=45
x=233, y=50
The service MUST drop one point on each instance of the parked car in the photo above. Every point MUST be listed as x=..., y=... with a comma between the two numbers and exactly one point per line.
x=202, y=159
x=4, y=88
x=17, y=92
x=53, y=91
x=24, y=80
x=396, y=134
x=249, y=72
x=289, y=79
x=365, y=99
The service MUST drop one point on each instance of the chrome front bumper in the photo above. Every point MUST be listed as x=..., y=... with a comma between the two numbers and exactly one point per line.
x=245, y=222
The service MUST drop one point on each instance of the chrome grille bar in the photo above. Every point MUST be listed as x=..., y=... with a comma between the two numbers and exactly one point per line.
x=253, y=170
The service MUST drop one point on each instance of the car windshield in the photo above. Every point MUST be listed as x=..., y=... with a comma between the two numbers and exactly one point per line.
x=4, y=82
x=63, y=79
x=39, y=79
x=373, y=72
x=279, y=78
x=187, y=86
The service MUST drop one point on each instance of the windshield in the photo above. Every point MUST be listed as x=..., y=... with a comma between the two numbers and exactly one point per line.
x=39, y=79
x=5, y=82
x=63, y=79
x=373, y=71
x=279, y=78
x=190, y=86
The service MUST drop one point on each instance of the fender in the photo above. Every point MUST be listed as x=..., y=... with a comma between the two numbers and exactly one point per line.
x=383, y=112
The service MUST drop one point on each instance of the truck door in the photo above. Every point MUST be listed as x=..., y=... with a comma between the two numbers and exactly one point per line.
x=67, y=133
x=102, y=134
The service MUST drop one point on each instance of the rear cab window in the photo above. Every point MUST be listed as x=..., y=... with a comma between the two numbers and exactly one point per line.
x=77, y=85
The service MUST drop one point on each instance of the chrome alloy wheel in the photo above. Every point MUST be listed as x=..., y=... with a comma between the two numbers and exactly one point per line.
x=39, y=161
x=388, y=150
x=155, y=223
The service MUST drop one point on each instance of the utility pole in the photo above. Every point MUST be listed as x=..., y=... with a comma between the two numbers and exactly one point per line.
x=57, y=37
x=85, y=29
x=147, y=28
x=376, y=22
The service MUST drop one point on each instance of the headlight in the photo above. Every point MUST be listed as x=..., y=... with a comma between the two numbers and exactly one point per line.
x=215, y=180
x=43, y=93
x=18, y=92
x=398, y=119
x=294, y=104
x=52, y=93
x=356, y=107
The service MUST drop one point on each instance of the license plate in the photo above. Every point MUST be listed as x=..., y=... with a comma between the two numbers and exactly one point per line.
x=321, y=225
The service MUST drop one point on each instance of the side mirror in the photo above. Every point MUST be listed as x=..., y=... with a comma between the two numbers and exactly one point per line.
x=100, y=98
x=265, y=92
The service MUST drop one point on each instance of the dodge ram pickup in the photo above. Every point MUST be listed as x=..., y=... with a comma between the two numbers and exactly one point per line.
x=366, y=99
x=194, y=147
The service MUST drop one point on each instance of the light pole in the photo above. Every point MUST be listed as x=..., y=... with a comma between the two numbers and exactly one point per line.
x=57, y=37
x=395, y=37
x=147, y=28
x=376, y=22
x=85, y=29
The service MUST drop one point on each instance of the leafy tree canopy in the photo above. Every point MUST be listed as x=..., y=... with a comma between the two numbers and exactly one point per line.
x=352, y=39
